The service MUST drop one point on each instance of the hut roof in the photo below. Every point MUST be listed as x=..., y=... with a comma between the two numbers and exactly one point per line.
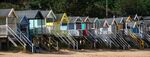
x=4, y=12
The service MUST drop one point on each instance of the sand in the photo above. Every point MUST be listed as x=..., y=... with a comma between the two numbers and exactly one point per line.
x=82, y=53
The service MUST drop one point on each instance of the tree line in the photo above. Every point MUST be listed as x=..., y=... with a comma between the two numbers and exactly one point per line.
x=92, y=8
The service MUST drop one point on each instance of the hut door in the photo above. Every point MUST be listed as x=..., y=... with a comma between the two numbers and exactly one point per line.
x=24, y=29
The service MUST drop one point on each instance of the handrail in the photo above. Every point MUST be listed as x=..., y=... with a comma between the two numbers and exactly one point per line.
x=26, y=39
x=57, y=34
x=73, y=42
x=115, y=43
x=102, y=40
x=70, y=40
x=120, y=42
x=76, y=42
x=139, y=41
x=53, y=33
x=110, y=40
x=19, y=40
x=148, y=36
x=12, y=42
x=123, y=40
x=64, y=38
x=102, y=37
x=16, y=36
x=93, y=37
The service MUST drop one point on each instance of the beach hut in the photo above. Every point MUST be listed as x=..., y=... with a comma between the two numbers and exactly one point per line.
x=9, y=18
x=135, y=24
x=95, y=25
x=146, y=21
x=131, y=28
x=50, y=17
x=23, y=24
x=36, y=24
x=8, y=23
x=104, y=26
x=112, y=25
x=61, y=22
x=139, y=26
x=146, y=29
x=120, y=22
x=74, y=26
x=36, y=21
x=61, y=28
x=126, y=21
x=85, y=25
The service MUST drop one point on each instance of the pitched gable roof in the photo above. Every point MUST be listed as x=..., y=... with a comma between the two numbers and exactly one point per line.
x=103, y=23
x=132, y=24
x=136, y=17
x=59, y=16
x=31, y=13
x=74, y=19
x=92, y=20
x=4, y=12
x=24, y=20
x=110, y=20
x=106, y=24
x=123, y=19
x=84, y=19
x=119, y=19
x=146, y=18
x=147, y=22
x=47, y=13
x=7, y=12
x=128, y=19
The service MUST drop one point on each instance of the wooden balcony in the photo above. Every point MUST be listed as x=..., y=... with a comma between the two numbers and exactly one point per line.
x=3, y=30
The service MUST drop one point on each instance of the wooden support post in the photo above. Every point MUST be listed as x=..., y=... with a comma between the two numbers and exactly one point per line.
x=77, y=45
x=32, y=48
x=57, y=46
x=7, y=42
x=24, y=48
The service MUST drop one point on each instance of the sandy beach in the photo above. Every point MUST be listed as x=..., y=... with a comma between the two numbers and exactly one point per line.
x=82, y=53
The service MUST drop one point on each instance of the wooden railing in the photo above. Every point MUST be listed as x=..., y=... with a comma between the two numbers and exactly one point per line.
x=3, y=30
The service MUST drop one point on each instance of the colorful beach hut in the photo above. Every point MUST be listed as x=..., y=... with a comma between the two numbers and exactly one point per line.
x=74, y=26
x=50, y=17
x=104, y=26
x=36, y=24
x=35, y=19
x=23, y=24
x=85, y=25
x=8, y=24
x=61, y=22
x=95, y=25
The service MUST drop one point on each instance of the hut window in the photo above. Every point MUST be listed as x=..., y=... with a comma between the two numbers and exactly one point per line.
x=11, y=20
x=83, y=26
x=87, y=25
x=2, y=21
x=32, y=24
x=64, y=24
x=71, y=26
x=49, y=20
x=40, y=22
x=78, y=25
